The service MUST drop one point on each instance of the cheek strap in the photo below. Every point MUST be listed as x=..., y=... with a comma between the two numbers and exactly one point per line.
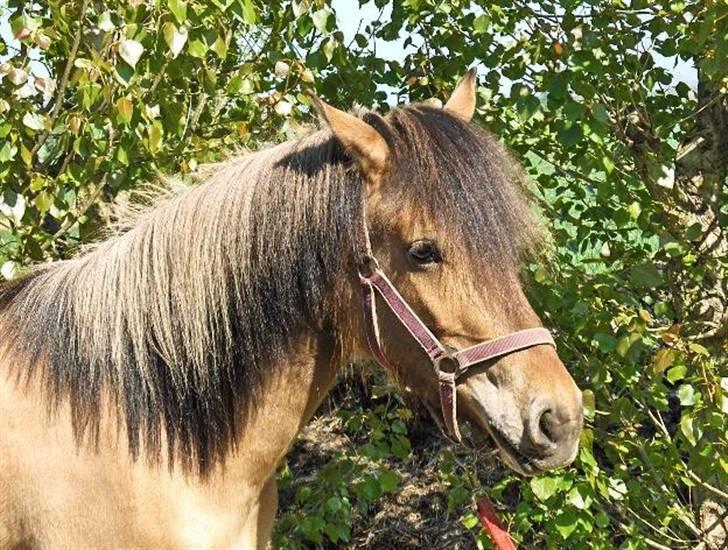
x=448, y=366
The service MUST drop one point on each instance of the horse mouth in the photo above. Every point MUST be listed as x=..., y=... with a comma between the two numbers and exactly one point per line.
x=480, y=436
x=488, y=438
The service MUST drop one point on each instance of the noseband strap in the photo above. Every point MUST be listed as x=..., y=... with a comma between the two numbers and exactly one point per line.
x=448, y=365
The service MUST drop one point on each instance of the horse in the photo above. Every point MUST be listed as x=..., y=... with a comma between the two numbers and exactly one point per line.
x=150, y=386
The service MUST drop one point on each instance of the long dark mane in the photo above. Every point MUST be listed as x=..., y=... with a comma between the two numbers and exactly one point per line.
x=178, y=319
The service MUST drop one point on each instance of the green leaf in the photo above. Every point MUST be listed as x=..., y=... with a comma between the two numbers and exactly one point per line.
x=646, y=276
x=122, y=155
x=676, y=373
x=608, y=164
x=600, y=113
x=320, y=18
x=388, y=481
x=179, y=9
x=304, y=494
x=124, y=74
x=457, y=496
x=602, y=520
x=399, y=427
x=543, y=487
x=634, y=209
x=481, y=24
x=686, y=394
x=694, y=232
x=332, y=532
x=175, y=38
x=7, y=152
x=470, y=521
x=250, y=15
x=333, y=504
x=312, y=526
x=130, y=51
x=573, y=110
x=623, y=345
x=23, y=25
x=565, y=523
x=368, y=489
x=401, y=447
x=34, y=121
x=687, y=427
x=329, y=47
x=580, y=497
x=105, y=23
x=605, y=342
x=247, y=86
x=25, y=154
x=588, y=402
x=663, y=359
x=570, y=135
x=43, y=202
x=155, y=136
x=699, y=349
x=197, y=48
x=220, y=47
x=540, y=274
x=37, y=183
x=617, y=488
x=586, y=455
x=125, y=110
x=344, y=533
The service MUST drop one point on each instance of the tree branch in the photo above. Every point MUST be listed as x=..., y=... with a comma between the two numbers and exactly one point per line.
x=64, y=81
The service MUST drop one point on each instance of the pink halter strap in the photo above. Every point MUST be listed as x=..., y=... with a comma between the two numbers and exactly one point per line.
x=448, y=366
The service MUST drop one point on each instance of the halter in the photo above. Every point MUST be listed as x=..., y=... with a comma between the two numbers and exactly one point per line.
x=448, y=364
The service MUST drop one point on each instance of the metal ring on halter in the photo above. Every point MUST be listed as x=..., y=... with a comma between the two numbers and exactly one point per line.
x=449, y=362
x=368, y=266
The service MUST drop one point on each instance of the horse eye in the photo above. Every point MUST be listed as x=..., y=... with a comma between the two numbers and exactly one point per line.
x=425, y=252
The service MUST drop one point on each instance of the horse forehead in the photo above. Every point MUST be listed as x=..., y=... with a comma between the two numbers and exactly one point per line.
x=408, y=220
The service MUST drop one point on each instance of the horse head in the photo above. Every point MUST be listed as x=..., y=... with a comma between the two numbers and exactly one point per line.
x=446, y=226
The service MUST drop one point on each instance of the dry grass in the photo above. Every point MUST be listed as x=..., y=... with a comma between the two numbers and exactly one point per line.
x=416, y=515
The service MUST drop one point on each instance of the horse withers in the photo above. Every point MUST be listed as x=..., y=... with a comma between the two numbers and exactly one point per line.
x=150, y=387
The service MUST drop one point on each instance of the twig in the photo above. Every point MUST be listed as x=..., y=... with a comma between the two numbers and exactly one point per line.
x=157, y=79
x=659, y=422
x=64, y=81
x=707, y=486
x=202, y=101
x=66, y=161
x=71, y=220
x=646, y=540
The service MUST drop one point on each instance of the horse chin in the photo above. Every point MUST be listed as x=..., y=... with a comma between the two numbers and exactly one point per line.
x=482, y=438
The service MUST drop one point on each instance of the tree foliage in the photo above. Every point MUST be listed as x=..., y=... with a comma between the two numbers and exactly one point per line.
x=629, y=158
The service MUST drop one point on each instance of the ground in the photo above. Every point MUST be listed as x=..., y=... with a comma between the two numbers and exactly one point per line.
x=416, y=514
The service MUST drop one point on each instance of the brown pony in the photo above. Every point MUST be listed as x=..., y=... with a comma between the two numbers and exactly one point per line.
x=149, y=387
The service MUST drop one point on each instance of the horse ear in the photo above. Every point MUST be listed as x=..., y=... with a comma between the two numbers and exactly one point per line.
x=362, y=141
x=462, y=100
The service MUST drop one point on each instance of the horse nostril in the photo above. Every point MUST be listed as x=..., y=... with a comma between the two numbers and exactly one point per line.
x=551, y=431
x=543, y=430
x=550, y=427
x=545, y=424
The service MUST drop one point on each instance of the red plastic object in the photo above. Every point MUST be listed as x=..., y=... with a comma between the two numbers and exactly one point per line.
x=488, y=519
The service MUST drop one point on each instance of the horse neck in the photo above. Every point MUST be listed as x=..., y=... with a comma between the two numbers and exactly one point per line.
x=292, y=394
x=295, y=389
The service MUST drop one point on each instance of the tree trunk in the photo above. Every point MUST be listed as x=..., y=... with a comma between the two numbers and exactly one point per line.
x=691, y=191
